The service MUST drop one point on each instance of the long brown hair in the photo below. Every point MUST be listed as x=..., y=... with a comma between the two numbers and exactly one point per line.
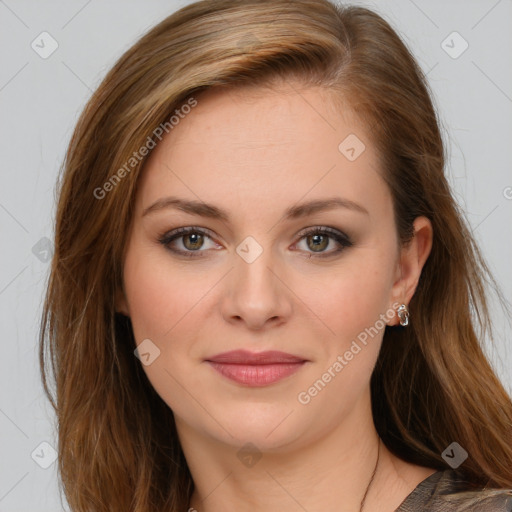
x=117, y=444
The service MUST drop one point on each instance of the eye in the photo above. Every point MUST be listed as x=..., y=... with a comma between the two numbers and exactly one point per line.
x=317, y=239
x=192, y=240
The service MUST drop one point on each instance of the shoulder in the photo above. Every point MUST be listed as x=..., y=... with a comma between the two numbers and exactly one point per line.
x=483, y=500
x=449, y=491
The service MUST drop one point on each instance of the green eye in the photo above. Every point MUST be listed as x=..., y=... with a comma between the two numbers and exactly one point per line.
x=193, y=240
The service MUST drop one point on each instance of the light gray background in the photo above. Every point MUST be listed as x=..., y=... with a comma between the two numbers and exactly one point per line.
x=40, y=100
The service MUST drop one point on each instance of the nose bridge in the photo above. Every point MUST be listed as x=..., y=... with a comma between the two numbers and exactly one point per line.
x=254, y=265
x=256, y=294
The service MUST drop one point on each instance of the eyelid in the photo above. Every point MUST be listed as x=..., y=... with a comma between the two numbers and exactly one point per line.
x=341, y=238
x=176, y=234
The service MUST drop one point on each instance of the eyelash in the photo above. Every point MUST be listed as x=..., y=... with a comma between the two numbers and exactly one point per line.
x=342, y=239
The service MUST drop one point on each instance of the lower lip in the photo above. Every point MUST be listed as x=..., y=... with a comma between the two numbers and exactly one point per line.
x=256, y=375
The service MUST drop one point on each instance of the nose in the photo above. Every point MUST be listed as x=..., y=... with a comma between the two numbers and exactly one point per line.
x=256, y=293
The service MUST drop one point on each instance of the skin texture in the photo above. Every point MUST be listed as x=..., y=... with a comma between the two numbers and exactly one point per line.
x=255, y=152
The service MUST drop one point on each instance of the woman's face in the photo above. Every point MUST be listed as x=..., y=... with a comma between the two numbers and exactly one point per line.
x=255, y=280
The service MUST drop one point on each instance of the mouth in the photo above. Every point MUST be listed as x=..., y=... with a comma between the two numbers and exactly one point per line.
x=256, y=369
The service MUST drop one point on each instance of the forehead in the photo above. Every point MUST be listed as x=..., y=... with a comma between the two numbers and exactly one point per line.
x=269, y=114
x=280, y=144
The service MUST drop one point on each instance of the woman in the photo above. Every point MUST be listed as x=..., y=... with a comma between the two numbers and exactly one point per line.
x=262, y=287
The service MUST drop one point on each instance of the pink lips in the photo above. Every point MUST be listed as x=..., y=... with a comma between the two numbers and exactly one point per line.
x=256, y=368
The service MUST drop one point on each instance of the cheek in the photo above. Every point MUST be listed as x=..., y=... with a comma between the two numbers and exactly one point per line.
x=354, y=296
x=152, y=301
x=161, y=294
x=354, y=304
x=162, y=303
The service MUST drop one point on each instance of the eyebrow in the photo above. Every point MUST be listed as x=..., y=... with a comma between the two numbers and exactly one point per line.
x=211, y=211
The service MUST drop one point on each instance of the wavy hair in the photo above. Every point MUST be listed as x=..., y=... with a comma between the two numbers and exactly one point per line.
x=118, y=448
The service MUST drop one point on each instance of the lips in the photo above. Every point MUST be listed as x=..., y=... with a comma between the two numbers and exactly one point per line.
x=255, y=369
x=257, y=358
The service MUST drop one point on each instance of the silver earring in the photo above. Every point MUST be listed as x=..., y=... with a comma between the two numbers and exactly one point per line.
x=403, y=315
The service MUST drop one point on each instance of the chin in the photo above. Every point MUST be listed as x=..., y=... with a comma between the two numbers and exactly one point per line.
x=270, y=427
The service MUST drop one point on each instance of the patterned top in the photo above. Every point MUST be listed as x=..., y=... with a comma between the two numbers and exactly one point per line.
x=448, y=491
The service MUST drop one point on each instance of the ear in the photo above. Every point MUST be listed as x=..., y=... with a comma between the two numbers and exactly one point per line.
x=122, y=303
x=412, y=259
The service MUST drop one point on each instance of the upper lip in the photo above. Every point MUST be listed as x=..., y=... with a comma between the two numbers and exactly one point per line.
x=255, y=358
